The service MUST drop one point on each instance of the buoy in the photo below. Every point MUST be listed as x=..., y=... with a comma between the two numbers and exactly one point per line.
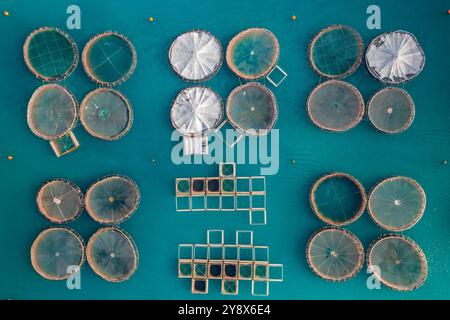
x=10, y=157
x=445, y=162
x=293, y=161
x=448, y=11
x=5, y=13
x=151, y=19
x=294, y=18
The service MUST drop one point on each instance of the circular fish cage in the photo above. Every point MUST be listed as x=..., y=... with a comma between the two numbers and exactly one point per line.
x=398, y=262
x=252, y=109
x=397, y=203
x=196, y=110
x=335, y=106
x=391, y=110
x=335, y=51
x=338, y=199
x=196, y=55
x=60, y=201
x=395, y=57
x=253, y=53
x=57, y=252
x=335, y=254
x=50, y=54
x=52, y=111
x=112, y=254
x=109, y=58
x=106, y=114
x=112, y=199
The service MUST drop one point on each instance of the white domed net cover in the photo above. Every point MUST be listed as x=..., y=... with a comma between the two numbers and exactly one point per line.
x=50, y=54
x=338, y=199
x=253, y=53
x=112, y=199
x=56, y=253
x=335, y=106
x=336, y=51
x=196, y=55
x=52, y=111
x=398, y=262
x=112, y=254
x=60, y=200
x=335, y=254
x=395, y=57
x=397, y=203
x=391, y=110
x=252, y=109
x=106, y=114
x=196, y=110
x=109, y=58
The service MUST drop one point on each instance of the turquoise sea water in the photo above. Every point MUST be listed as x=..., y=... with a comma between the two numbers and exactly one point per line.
x=144, y=153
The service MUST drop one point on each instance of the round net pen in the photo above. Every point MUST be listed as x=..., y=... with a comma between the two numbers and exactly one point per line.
x=60, y=201
x=50, y=54
x=52, y=111
x=57, y=253
x=253, y=53
x=335, y=52
x=112, y=199
x=398, y=262
x=334, y=254
x=112, y=254
x=106, y=114
x=397, y=203
x=109, y=58
x=252, y=109
x=337, y=199
x=395, y=57
x=196, y=110
x=391, y=110
x=335, y=106
x=196, y=55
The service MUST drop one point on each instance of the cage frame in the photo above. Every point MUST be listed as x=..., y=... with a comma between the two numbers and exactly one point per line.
x=414, y=245
x=360, y=249
x=33, y=98
x=411, y=104
x=216, y=69
x=102, y=179
x=324, y=31
x=75, y=188
x=67, y=37
x=128, y=237
x=84, y=104
x=354, y=123
x=88, y=46
x=41, y=235
x=262, y=74
x=327, y=220
x=413, y=222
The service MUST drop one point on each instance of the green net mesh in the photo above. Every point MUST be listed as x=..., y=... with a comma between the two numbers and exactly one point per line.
x=253, y=53
x=335, y=254
x=50, y=54
x=112, y=254
x=337, y=199
x=60, y=200
x=112, y=199
x=335, y=106
x=56, y=253
x=106, y=114
x=397, y=203
x=398, y=262
x=52, y=111
x=109, y=58
x=336, y=51
x=252, y=109
x=391, y=110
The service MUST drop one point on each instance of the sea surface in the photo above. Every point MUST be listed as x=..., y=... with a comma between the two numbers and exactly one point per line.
x=305, y=152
